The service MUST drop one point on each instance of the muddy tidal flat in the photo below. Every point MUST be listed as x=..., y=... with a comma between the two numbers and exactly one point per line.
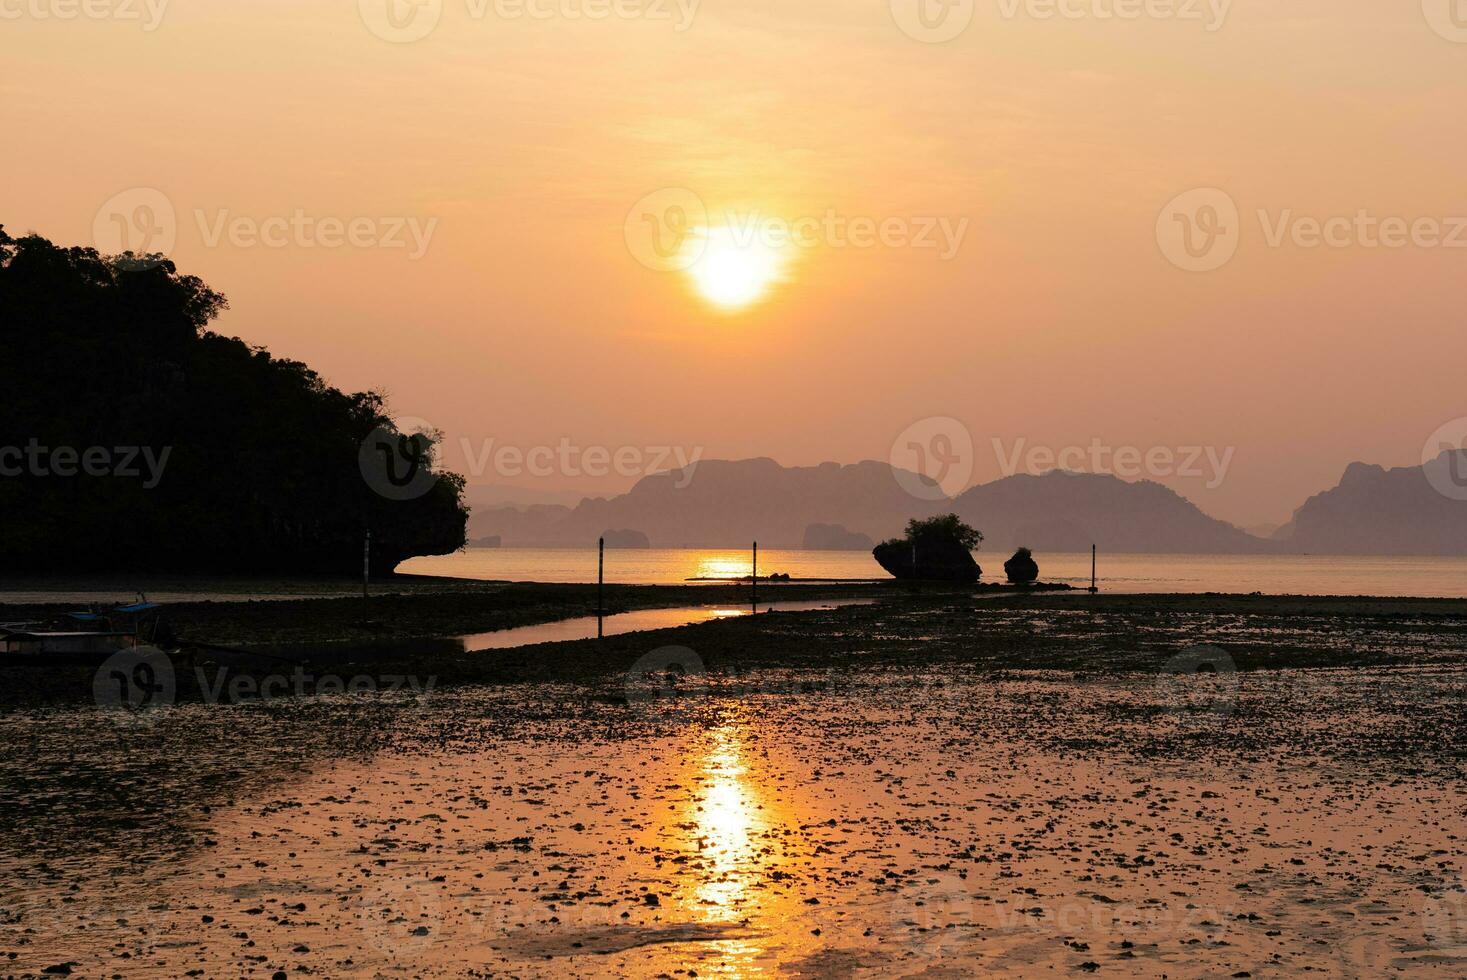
x=1198, y=787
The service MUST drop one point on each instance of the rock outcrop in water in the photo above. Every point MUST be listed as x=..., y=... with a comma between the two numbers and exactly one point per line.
x=1022, y=569
x=834, y=537
x=935, y=549
x=938, y=561
x=625, y=538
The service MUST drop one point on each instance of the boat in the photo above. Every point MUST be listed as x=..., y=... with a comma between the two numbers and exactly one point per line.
x=90, y=632
x=66, y=642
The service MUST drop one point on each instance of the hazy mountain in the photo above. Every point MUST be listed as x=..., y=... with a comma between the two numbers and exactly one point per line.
x=492, y=495
x=731, y=503
x=1062, y=511
x=518, y=526
x=1376, y=511
x=833, y=537
x=625, y=538
x=727, y=504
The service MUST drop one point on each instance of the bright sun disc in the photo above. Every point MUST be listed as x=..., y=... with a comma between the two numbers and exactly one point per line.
x=735, y=270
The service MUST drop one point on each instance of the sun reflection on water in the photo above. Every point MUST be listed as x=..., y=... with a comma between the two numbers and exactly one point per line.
x=726, y=821
x=728, y=564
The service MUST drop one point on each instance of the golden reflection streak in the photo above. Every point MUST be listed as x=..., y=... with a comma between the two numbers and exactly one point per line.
x=727, y=821
x=723, y=566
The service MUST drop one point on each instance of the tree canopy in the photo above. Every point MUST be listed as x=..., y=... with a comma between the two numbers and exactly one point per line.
x=943, y=528
x=243, y=461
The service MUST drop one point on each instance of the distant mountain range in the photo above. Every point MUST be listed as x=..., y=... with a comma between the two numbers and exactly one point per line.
x=1062, y=511
x=730, y=503
x=723, y=504
x=1411, y=510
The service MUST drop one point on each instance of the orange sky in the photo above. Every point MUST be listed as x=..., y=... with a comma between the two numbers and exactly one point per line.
x=1059, y=320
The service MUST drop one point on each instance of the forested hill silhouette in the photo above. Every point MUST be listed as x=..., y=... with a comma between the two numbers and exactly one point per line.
x=133, y=438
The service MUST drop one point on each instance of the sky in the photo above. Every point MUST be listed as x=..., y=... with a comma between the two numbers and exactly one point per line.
x=648, y=230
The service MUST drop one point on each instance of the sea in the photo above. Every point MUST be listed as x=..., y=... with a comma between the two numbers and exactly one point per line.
x=1269, y=574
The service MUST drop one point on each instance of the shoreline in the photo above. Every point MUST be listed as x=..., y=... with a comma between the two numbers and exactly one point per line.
x=907, y=626
x=433, y=609
x=411, y=607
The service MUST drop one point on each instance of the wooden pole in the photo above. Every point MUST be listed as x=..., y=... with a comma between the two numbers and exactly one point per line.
x=600, y=584
x=1092, y=569
x=754, y=579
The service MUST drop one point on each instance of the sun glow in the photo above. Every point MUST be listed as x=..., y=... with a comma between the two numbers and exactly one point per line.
x=735, y=267
x=729, y=565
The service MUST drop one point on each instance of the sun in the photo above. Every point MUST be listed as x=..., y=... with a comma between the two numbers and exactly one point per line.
x=735, y=268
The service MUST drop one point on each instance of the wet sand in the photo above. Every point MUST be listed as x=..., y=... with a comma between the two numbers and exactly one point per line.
x=413, y=607
x=918, y=788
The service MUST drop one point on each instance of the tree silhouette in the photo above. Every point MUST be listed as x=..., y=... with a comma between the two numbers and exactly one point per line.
x=263, y=470
x=943, y=528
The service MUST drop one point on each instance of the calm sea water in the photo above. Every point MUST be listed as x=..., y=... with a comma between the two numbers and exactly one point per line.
x=1274, y=574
